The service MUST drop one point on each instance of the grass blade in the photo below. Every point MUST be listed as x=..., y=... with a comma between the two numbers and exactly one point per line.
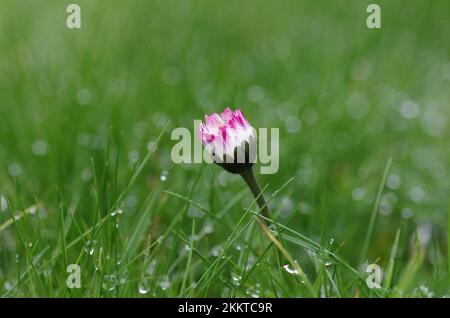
x=373, y=216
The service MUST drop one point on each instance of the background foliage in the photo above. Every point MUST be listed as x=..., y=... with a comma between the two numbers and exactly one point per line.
x=79, y=110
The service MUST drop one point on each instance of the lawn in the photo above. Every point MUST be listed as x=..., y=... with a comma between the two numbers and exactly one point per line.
x=86, y=175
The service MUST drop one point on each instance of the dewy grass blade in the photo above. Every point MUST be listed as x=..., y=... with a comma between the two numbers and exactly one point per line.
x=374, y=213
x=18, y=216
x=191, y=248
x=391, y=264
x=413, y=266
x=317, y=246
x=295, y=265
x=202, y=257
x=27, y=252
x=141, y=225
x=22, y=276
x=230, y=240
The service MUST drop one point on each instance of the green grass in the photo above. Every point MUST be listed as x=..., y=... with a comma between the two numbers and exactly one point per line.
x=86, y=176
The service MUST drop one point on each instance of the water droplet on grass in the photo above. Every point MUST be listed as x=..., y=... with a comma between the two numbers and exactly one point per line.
x=151, y=146
x=393, y=181
x=273, y=229
x=150, y=270
x=90, y=247
x=164, y=283
x=417, y=194
x=215, y=251
x=14, y=169
x=39, y=147
x=164, y=175
x=253, y=291
x=32, y=209
x=251, y=262
x=8, y=286
x=293, y=124
x=3, y=203
x=291, y=270
x=358, y=194
x=406, y=213
x=236, y=278
x=109, y=282
x=116, y=212
x=143, y=287
x=208, y=228
x=133, y=156
x=409, y=109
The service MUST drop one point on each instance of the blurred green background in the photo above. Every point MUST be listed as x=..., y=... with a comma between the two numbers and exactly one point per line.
x=79, y=108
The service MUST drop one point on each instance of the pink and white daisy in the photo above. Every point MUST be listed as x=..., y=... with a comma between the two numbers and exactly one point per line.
x=229, y=138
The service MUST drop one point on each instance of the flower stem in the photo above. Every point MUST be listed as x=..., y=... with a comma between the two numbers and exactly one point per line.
x=250, y=179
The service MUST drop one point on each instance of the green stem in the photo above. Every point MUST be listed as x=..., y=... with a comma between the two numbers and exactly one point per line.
x=250, y=179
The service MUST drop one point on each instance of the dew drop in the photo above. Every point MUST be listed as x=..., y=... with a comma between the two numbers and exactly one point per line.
x=90, y=247
x=150, y=270
x=208, y=228
x=164, y=175
x=14, y=169
x=406, y=213
x=8, y=286
x=393, y=181
x=109, y=282
x=116, y=212
x=151, y=146
x=164, y=283
x=215, y=251
x=253, y=291
x=3, y=203
x=32, y=209
x=143, y=287
x=236, y=278
x=39, y=147
x=291, y=270
x=358, y=194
